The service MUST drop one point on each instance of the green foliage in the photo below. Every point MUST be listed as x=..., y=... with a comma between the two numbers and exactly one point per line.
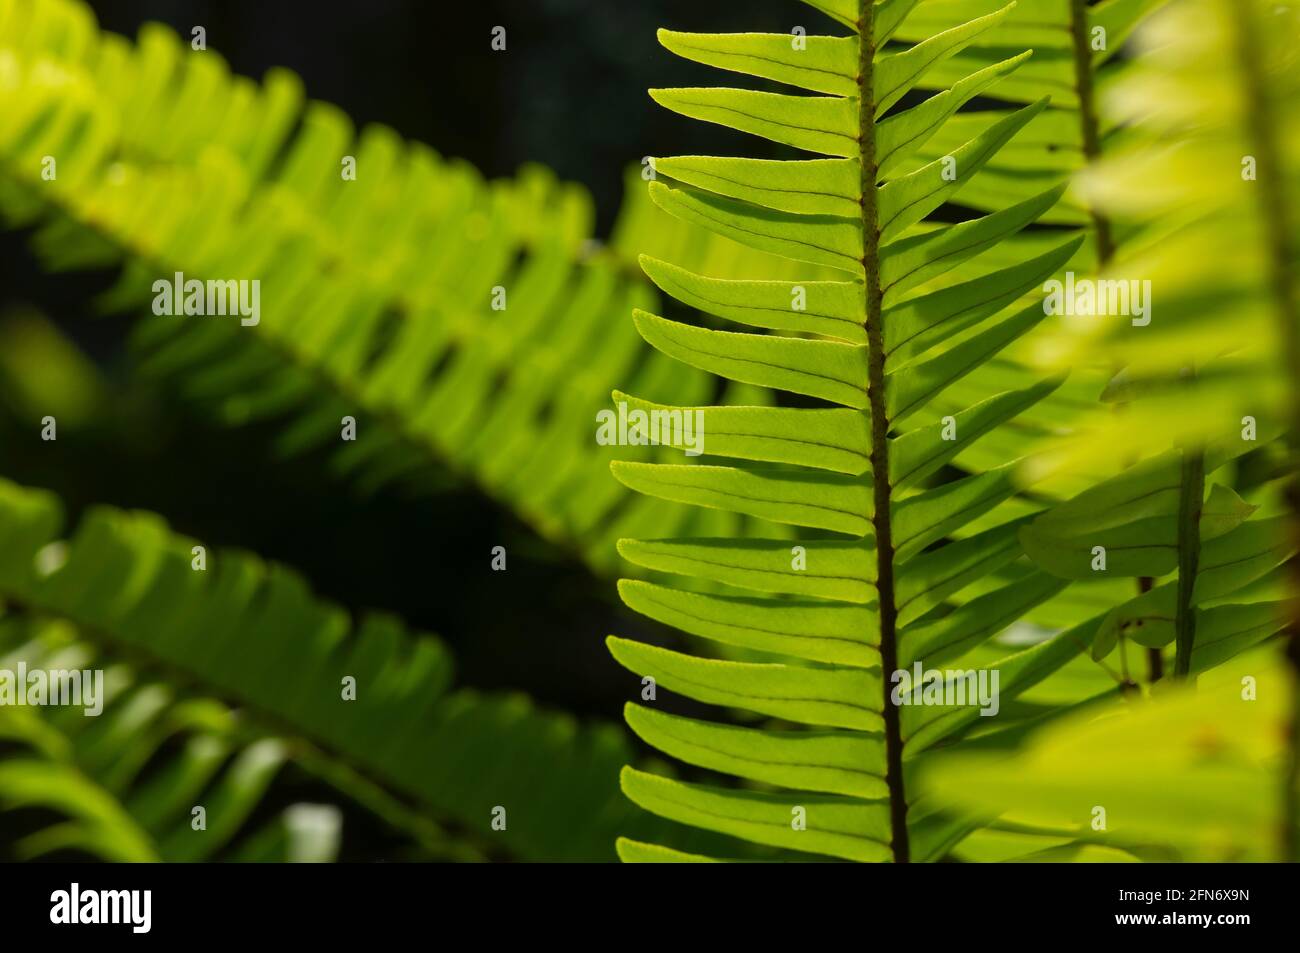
x=1202, y=771
x=1181, y=193
x=378, y=306
x=92, y=770
x=1195, y=770
x=1075, y=58
x=930, y=565
x=905, y=463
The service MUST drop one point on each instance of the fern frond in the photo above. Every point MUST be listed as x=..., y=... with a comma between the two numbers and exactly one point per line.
x=836, y=615
x=1075, y=61
x=377, y=292
x=1186, y=202
x=1075, y=45
x=252, y=634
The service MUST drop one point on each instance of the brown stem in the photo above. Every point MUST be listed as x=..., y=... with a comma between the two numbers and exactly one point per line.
x=1190, y=498
x=880, y=519
x=1091, y=131
x=1155, y=657
x=1088, y=119
x=1155, y=665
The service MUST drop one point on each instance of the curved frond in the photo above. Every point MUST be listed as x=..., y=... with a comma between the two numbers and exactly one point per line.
x=463, y=325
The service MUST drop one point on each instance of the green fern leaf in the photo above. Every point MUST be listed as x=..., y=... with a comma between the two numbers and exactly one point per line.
x=833, y=615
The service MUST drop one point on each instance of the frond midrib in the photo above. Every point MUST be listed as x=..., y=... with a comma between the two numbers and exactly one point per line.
x=881, y=489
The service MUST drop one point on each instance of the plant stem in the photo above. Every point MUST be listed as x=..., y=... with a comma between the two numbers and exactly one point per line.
x=1275, y=208
x=1091, y=131
x=1155, y=657
x=1191, y=497
x=880, y=519
x=1088, y=119
x=1155, y=666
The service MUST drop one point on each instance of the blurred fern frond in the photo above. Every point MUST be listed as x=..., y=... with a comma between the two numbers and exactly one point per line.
x=467, y=326
x=125, y=781
x=253, y=635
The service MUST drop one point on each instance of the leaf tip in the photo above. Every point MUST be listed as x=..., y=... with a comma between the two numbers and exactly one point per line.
x=644, y=319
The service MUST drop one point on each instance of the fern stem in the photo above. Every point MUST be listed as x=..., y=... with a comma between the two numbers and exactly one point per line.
x=1155, y=666
x=1190, y=500
x=1088, y=119
x=1155, y=657
x=1274, y=208
x=881, y=490
x=1091, y=131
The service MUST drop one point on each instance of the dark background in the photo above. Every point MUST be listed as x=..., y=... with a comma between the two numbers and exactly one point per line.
x=569, y=92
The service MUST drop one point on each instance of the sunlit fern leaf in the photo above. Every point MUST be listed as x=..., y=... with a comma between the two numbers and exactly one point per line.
x=1188, y=203
x=837, y=754
x=1077, y=61
x=252, y=634
x=1037, y=155
x=1132, y=525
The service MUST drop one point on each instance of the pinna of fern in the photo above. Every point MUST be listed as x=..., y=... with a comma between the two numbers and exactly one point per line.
x=1191, y=774
x=835, y=620
x=1076, y=46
